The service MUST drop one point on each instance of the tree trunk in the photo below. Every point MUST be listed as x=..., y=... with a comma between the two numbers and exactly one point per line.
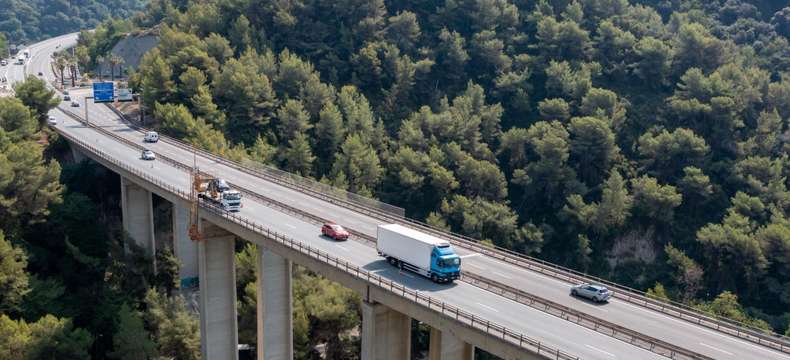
x=73, y=75
x=101, y=69
x=112, y=72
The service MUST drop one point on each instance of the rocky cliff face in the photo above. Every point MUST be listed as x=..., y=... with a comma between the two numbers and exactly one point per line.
x=134, y=46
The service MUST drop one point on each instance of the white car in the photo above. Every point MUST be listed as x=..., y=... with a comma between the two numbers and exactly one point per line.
x=597, y=293
x=3, y=62
x=151, y=137
x=148, y=155
x=52, y=121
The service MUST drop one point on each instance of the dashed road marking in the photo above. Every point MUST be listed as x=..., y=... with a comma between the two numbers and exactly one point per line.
x=470, y=255
x=488, y=307
x=715, y=348
x=601, y=351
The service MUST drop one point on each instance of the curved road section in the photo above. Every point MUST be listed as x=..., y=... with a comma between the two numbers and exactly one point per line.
x=548, y=329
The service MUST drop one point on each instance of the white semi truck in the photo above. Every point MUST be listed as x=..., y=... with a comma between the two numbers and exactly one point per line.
x=219, y=192
x=424, y=254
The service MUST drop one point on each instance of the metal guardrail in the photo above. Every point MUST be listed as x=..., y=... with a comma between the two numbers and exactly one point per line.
x=272, y=172
x=390, y=286
x=631, y=295
x=618, y=332
x=591, y=322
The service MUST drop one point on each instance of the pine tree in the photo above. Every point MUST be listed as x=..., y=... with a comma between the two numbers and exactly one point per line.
x=131, y=341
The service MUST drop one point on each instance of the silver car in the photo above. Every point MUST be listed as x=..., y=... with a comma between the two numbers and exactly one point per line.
x=597, y=293
x=148, y=155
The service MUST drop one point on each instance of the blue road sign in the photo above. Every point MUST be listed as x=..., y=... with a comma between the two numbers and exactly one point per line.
x=102, y=92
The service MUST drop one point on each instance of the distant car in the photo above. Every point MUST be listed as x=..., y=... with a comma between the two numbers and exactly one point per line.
x=66, y=92
x=597, y=293
x=40, y=73
x=151, y=136
x=3, y=62
x=74, y=103
x=52, y=121
x=334, y=231
x=148, y=155
x=66, y=97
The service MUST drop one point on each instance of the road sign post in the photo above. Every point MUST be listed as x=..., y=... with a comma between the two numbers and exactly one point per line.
x=86, y=109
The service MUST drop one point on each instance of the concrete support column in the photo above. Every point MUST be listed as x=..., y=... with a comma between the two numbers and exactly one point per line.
x=138, y=216
x=77, y=154
x=386, y=333
x=445, y=346
x=275, y=307
x=184, y=249
x=216, y=265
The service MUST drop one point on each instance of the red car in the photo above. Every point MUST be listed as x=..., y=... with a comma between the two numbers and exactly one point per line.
x=334, y=231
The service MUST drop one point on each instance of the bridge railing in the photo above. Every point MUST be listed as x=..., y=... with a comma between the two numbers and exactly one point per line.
x=631, y=295
x=467, y=318
x=628, y=294
x=541, y=304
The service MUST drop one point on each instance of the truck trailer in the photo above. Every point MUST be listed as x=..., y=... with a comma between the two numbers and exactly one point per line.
x=421, y=253
x=219, y=192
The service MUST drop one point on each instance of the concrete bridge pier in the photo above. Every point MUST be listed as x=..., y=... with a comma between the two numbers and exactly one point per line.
x=216, y=265
x=386, y=333
x=138, y=216
x=184, y=249
x=77, y=154
x=445, y=346
x=275, y=306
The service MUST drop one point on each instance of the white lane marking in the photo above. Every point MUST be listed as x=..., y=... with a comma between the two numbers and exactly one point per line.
x=470, y=255
x=290, y=226
x=501, y=274
x=488, y=307
x=699, y=327
x=599, y=350
x=341, y=247
x=715, y=348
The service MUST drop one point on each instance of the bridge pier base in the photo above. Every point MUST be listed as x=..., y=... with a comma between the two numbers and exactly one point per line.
x=138, y=216
x=217, y=269
x=184, y=249
x=275, y=306
x=77, y=154
x=386, y=333
x=445, y=346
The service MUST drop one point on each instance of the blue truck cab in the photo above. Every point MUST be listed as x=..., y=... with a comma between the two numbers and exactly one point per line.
x=445, y=264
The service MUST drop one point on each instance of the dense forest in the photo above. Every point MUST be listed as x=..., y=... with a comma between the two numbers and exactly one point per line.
x=26, y=21
x=644, y=142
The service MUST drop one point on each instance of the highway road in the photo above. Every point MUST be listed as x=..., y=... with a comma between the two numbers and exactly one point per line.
x=554, y=331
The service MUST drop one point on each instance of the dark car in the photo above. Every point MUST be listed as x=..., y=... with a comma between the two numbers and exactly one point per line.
x=334, y=231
